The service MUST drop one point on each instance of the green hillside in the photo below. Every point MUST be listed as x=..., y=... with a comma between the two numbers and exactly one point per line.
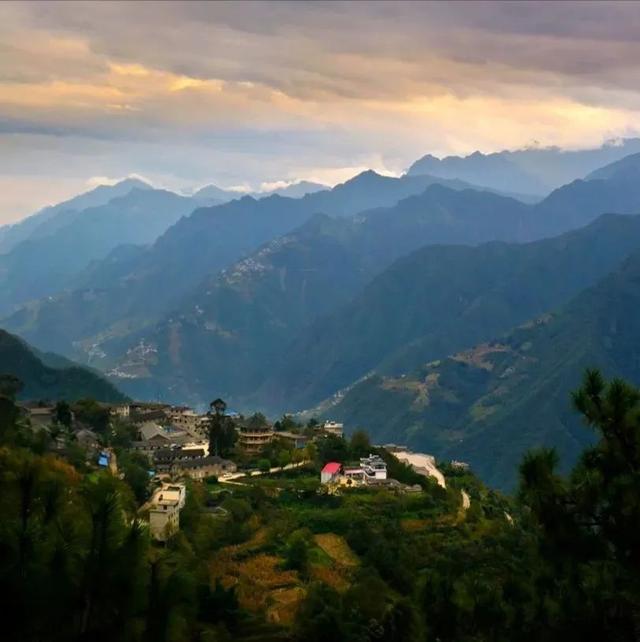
x=43, y=381
x=489, y=404
x=441, y=299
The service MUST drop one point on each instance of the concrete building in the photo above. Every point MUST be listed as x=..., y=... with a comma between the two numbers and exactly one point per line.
x=184, y=418
x=292, y=439
x=255, y=439
x=164, y=513
x=122, y=410
x=333, y=428
x=41, y=417
x=164, y=459
x=374, y=467
x=202, y=467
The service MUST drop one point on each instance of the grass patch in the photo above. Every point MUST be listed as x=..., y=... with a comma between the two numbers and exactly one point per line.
x=337, y=549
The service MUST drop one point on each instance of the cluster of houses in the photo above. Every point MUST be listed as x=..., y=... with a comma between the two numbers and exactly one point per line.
x=175, y=440
x=162, y=426
x=371, y=471
x=43, y=416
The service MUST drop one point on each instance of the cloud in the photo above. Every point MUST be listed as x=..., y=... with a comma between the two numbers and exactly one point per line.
x=95, y=181
x=254, y=92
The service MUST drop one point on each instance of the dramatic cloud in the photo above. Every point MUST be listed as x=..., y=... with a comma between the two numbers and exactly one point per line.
x=256, y=92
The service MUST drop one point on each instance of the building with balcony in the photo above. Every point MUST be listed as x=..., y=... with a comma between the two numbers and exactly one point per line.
x=254, y=438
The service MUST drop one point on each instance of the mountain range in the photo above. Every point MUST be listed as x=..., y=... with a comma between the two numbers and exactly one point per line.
x=278, y=329
x=402, y=305
x=297, y=189
x=46, y=264
x=132, y=287
x=55, y=216
x=536, y=170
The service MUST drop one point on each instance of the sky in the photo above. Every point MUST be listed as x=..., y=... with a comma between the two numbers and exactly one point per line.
x=245, y=94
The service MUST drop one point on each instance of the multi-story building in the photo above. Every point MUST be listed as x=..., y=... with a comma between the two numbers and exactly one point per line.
x=254, y=439
x=164, y=514
x=122, y=410
x=374, y=467
x=333, y=428
x=185, y=418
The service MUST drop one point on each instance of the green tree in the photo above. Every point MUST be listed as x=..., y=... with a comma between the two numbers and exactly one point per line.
x=286, y=424
x=360, y=444
x=587, y=524
x=257, y=421
x=90, y=412
x=63, y=414
x=318, y=614
x=135, y=467
x=297, y=552
x=10, y=386
x=284, y=458
x=332, y=448
x=222, y=433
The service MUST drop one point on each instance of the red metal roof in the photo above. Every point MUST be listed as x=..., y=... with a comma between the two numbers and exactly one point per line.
x=332, y=467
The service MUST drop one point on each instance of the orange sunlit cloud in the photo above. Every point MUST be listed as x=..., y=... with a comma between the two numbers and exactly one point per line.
x=253, y=93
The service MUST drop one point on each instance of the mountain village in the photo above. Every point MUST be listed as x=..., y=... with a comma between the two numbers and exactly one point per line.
x=176, y=443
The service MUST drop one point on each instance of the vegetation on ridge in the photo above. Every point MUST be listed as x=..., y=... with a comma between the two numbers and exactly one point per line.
x=556, y=562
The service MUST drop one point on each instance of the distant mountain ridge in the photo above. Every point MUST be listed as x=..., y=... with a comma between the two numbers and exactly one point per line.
x=227, y=297
x=132, y=288
x=296, y=189
x=41, y=223
x=48, y=262
x=41, y=381
x=528, y=171
x=627, y=168
x=233, y=334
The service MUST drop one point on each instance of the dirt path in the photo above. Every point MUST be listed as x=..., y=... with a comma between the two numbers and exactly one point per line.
x=422, y=464
x=232, y=477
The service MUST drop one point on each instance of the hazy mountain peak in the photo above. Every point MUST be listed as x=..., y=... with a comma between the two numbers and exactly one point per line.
x=215, y=192
x=627, y=167
x=533, y=170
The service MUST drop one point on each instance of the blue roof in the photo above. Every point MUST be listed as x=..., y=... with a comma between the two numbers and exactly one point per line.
x=103, y=460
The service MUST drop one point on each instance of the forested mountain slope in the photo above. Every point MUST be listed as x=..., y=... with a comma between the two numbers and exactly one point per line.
x=239, y=330
x=439, y=300
x=42, y=381
x=489, y=404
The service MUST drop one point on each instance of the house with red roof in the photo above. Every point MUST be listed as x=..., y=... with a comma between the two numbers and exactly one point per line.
x=330, y=472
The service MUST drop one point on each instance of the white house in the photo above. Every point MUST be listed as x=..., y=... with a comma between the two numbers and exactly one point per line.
x=373, y=467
